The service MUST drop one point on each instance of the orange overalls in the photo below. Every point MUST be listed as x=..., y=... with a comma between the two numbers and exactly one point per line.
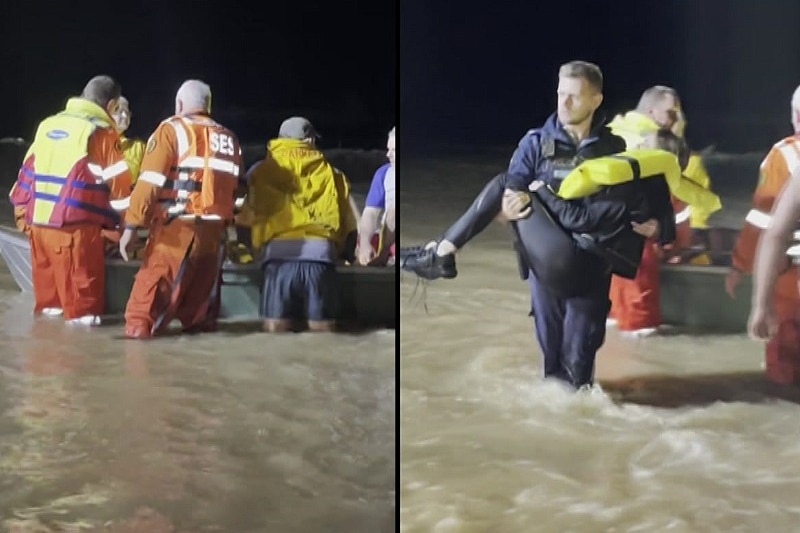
x=185, y=196
x=783, y=350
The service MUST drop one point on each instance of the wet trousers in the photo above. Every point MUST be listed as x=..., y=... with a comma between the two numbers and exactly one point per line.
x=570, y=330
x=179, y=279
x=636, y=303
x=68, y=268
x=782, y=352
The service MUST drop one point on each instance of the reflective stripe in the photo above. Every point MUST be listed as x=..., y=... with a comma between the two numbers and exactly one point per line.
x=196, y=162
x=202, y=217
x=758, y=219
x=97, y=170
x=153, y=178
x=108, y=173
x=789, y=153
x=183, y=139
x=761, y=220
x=683, y=216
x=121, y=204
x=238, y=203
x=177, y=208
x=115, y=170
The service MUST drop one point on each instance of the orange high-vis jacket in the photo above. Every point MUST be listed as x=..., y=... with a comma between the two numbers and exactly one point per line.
x=190, y=169
x=775, y=170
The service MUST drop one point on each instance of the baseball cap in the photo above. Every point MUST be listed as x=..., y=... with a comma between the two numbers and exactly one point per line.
x=297, y=128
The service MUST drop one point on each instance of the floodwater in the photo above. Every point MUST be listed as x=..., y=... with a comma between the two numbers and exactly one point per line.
x=237, y=431
x=681, y=433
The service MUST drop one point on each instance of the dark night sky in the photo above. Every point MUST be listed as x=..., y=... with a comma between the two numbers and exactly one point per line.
x=486, y=72
x=334, y=62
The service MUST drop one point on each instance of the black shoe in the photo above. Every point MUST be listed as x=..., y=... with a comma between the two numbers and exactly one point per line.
x=409, y=251
x=426, y=264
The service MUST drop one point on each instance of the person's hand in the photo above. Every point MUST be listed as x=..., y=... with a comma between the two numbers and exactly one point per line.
x=365, y=255
x=516, y=205
x=762, y=324
x=111, y=235
x=732, y=281
x=125, y=242
x=647, y=229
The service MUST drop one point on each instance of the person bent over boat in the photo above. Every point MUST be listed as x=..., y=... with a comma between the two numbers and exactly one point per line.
x=570, y=329
x=303, y=222
x=782, y=352
x=376, y=238
x=62, y=199
x=134, y=152
x=185, y=197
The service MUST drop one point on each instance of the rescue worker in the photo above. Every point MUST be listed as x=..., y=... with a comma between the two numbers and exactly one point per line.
x=303, y=224
x=376, y=238
x=636, y=307
x=783, y=350
x=185, y=197
x=62, y=199
x=132, y=148
x=771, y=262
x=691, y=239
x=134, y=151
x=569, y=330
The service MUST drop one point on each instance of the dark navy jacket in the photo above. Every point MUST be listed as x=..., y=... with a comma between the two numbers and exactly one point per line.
x=549, y=153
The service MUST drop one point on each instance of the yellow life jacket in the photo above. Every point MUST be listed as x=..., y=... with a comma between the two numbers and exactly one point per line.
x=296, y=194
x=633, y=127
x=593, y=174
x=133, y=149
x=57, y=184
x=696, y=172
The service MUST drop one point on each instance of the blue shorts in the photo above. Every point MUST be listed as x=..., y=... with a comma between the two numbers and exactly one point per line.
x=300, y=290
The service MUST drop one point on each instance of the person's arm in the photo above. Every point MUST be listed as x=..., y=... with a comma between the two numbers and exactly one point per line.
x=354, y=209
x=369, y=221
x=112, y=164
x=158, y=159
x=521, y=173
x=659, y=210
x=523, y=161
x=771, y=260
x=584, y=215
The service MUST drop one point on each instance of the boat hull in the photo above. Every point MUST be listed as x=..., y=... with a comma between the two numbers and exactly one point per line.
x=694, y=297
x=368, y=295
x=691, y=296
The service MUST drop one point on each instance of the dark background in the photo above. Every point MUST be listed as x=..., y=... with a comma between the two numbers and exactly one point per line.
x=482, y=73
x=333, y=62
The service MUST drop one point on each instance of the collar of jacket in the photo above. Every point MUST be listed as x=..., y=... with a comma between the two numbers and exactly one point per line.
x=553, y=128
x=81, y=106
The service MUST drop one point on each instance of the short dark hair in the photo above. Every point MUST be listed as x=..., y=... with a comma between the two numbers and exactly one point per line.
x=101, y=90
x=584, y=70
